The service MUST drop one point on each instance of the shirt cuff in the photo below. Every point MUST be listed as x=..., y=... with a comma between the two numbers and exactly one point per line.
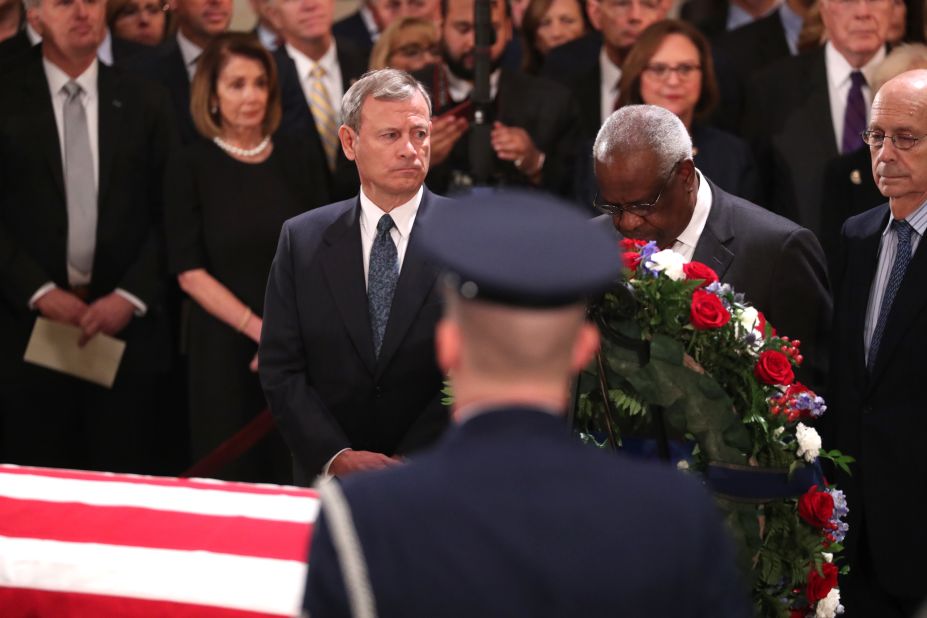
x=329, y=462
x=39, y=293
x=140, y=308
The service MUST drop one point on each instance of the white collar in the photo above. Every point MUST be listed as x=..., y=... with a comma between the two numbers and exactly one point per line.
x=305, y=64
x=403, y=216
x=189, y=51
x=34, y=37
x=609, y=71
x=460, y=88
x=58, y=78
x=369, y=22
x=838, y=69
x=693, y=231
x=105, y=50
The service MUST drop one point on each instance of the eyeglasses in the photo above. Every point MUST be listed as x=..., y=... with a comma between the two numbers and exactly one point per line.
x=414, y=50
x=875, y=139
x=662, y=71
x=639, y=209
x=133, y=10
x=623, y=6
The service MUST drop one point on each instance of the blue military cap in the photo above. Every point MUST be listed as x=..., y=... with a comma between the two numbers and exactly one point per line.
x=522, y=248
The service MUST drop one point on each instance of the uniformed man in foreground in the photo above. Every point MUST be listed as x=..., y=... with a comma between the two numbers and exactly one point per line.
x=509, y=515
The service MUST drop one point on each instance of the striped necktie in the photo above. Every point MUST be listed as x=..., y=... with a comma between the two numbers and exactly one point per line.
x=325, y=119
x=904, y=232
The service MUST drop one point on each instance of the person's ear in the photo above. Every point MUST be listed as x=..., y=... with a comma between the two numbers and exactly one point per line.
x=585, y=346
x=687, y=169
x=348, y=141
x=447, y=345
x=594, y=11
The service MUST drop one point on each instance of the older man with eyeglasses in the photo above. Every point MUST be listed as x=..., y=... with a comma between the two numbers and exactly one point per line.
x=650, y=189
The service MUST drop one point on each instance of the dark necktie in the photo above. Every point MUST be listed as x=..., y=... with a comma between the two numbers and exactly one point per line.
x=382, y=276
x=903, y=231
x=854, y=118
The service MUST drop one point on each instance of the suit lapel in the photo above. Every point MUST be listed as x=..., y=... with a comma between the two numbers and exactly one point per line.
x=908, y=304
x=46, y=130
x=109, y=118
x=342, y=263
x=712, y=247
x=416, y=281
x=858, y=278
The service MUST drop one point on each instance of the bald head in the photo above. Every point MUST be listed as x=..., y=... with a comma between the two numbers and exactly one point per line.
x=900, y=111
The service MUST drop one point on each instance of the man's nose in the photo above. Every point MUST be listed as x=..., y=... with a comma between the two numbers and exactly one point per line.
x=627, y=222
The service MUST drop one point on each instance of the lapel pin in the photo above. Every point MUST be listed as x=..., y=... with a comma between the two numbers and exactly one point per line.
x=856, y=178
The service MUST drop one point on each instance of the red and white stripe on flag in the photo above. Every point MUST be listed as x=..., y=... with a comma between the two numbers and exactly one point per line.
x=78, y=544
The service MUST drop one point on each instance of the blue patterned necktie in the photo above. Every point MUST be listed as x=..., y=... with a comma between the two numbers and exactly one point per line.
x=854, y=117
x=903, y=231
x=381, y=280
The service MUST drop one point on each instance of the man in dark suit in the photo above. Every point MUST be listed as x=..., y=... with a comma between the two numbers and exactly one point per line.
x=315, y=69
x=651, y=188
x=347, y=349
x=82, y=151
x=880, y=332
x=173, y=63
x=716, y=17
x=798, y=128
x=364, y=26
x=534, y=122
x=510, y=515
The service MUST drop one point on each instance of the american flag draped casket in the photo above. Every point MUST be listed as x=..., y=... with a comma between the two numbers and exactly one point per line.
x=79, y=544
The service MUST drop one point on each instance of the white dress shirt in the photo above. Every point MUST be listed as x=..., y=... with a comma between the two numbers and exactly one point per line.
x=838, y=86
x=460, y=88
x=686, y=242
x=370, y=23
x=190, y=52
x=610, y=75
x=87, y=80
x=331, y=81
x=403, y=218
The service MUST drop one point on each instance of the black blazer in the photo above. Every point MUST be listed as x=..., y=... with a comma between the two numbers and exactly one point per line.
x=788, y=121
x=551, y=120
x=727, y=160
x=353, y=28
x=297, y=117
x=511, y=516
x=164, y=64
x=877, y=414
x=135, y=135
x=709, y=16
x=324, y=385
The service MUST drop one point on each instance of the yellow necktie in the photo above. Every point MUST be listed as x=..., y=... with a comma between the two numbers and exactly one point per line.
x=325, y=117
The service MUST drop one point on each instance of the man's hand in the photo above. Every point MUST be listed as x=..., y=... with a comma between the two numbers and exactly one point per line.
x=109, y=314
x=444, y=134
x=61, y=306
x=514, y=144
x=349, y=462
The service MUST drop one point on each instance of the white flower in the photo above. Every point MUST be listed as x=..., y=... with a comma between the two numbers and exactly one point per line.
x=748, y=318
x=778, y=431
x=827, y=557
x=669, y=263
x=683, y=465
x=809, y=442
x=829, y=606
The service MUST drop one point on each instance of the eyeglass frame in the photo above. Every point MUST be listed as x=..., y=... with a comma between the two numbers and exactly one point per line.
x=640, y=209
x=683, y=70
x=865, y=135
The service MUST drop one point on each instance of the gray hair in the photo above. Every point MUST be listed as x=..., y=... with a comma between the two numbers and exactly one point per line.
x=905, y=57
x=382, y=85
x=643, y=128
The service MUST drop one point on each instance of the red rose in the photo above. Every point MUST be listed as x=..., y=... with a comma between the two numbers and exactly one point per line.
x=798, y=613
x=707, y=311
x=697, y=270
x=820, y=585
x=816, y=507
x=773, y=367
x=631, y=259
x=630, y=244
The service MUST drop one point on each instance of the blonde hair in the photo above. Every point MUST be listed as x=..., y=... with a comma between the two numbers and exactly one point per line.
x=905, y=57
x=386, y=43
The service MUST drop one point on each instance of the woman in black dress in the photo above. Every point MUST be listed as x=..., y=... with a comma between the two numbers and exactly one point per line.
x=227, y=197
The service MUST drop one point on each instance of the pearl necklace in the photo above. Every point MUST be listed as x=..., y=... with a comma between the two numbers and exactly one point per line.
x=242, y=152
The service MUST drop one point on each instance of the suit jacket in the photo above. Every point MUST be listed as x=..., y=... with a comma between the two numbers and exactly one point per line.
x=511, y=516
x=164, y=64
x=780, y=268
x=727, y=160
x=709, y=16
x=324, y=385
x=353, y=28
x=877, y=414
x=849, y=189
x=297, y=115
x=738, y=55
x=792, y=134
x=15, y=49
x=551, y=121
x=135, y=135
